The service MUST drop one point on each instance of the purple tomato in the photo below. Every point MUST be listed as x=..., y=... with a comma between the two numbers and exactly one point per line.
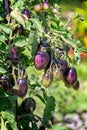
x=41, y=60
x=23, y=87
x=70, y=76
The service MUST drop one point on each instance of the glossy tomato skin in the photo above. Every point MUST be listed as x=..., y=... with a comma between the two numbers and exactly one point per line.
x=41, y=60
x=23, y=87
x=42, y=128
x=47, y=79
x=28, y=105
x=57, y=73
x=70, y=76
x=76, y=85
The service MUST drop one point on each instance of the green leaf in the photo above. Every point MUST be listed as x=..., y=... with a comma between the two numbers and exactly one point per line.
x=2, y=47
x=5, y=28
x=3, y=38
x=54, y=27
x=1, y=16
x=3, y=103
x=41, y=98
x=2, y=70
x=82, y=49
x=25, y=60
x=3, y=125
x=28, y=25
x=19, y=4
x=2, y=92
x=49, y=108
x=7, y=102
x=20, y=41
x=34, y=126
x=16, y=14
x=34, y=44
x=9, y=119
x=38, y=25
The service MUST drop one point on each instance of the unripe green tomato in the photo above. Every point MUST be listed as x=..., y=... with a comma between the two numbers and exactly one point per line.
x=47, y=79
x=37, y=8
x=57, y=73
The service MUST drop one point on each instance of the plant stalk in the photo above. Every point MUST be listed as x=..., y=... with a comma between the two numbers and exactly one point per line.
x=7, y=10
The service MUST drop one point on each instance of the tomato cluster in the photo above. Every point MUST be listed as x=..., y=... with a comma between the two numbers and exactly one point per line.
x=44, y=53
x=55, y=66
x=44, y=7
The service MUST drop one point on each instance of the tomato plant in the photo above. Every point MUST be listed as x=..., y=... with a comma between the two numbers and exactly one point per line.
x=32, y=35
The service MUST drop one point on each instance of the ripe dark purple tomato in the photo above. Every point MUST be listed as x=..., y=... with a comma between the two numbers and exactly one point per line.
x=41, y=60
x=26, y=14
x=37, y=8
x=7, y=82
x=23, y=87
x=28, y=105
x=47, y=79
x=57, y=73
x=45, y=5
x=70, y=76
x=42, y=128
x=76, y=85
x=64, y=65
